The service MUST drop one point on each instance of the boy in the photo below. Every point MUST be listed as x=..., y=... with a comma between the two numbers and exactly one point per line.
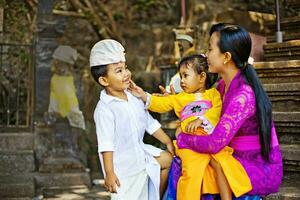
x=133, y=170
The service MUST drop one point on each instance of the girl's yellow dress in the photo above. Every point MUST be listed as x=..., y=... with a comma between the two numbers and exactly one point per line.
x=197, y=175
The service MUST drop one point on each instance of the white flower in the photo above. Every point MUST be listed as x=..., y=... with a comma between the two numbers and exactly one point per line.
x=250, y=60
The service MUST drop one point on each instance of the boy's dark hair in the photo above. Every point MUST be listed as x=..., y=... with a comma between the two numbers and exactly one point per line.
x=97, y=71
x=199, y=64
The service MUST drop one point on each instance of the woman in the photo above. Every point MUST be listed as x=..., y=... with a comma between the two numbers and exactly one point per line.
x=246, y=120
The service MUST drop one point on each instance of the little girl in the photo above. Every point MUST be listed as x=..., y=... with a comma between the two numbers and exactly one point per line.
x=201, y=105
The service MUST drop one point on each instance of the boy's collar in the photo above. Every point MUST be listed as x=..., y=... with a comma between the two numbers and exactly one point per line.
x=106, y=98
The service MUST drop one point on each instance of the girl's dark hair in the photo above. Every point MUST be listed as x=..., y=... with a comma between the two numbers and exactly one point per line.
x=199, y=63
x=236, y=40
x=97, y=71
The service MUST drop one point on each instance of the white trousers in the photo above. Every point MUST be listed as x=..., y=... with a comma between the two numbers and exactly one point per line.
x=133, y=188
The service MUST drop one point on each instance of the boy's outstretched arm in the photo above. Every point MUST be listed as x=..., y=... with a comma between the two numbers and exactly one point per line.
x=165, y=139
x=111, y=180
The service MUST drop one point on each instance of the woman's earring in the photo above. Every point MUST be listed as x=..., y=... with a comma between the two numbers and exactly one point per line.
x=224, y=62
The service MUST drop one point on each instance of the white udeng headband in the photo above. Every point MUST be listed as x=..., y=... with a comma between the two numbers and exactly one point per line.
x=106, y=52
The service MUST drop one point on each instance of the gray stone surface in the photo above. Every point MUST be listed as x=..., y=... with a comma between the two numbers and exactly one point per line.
x=285, y=97
x=278, y=71
x=97, y=192
x=16, y=141
x=289, y=50
x=17, y=186
x=46, y=180
x=285, y=193
x=291, y=151
x=17, y=161
x=63, y=164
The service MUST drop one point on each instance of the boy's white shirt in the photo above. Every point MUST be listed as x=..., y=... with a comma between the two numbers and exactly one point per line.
x=120, y=127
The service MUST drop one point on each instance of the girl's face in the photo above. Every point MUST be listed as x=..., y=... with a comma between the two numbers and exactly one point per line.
x=215, y=57
x=191, y=81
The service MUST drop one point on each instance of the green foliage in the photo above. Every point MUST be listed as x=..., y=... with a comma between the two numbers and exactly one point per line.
x=18, y=26
x=146, y=4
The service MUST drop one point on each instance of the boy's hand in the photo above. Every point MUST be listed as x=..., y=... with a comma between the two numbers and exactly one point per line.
x=193, y=125
x=111, y=182
x=171, y=148
x=137, y=91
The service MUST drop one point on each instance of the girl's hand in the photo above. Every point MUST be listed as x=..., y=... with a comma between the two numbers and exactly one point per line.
x=137, y=91
x=111, y=182
x=164, y=92
x=193, y=125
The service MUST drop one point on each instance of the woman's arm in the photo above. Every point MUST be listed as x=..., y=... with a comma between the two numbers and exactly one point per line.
x=241, y=106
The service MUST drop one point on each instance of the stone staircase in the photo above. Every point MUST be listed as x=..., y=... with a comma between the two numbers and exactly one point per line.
x=280, y=75
x=61, y=167
x=17, y=165
x=32, y=165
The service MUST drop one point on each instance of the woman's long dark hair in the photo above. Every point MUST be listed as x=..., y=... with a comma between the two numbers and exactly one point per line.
x=236, y=40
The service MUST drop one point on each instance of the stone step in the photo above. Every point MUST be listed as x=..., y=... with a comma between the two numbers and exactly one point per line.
x=17, y=161
x=287, y=24
x=16, y=141
x=289, y=50
x=61, y=165
x=20, y=186
x=77, y=192
x=287, y=126
x=18, y=198
x=285, y=97
x=289, y=188
x=278, y=71
x=294, y=4
x=286, y=36
x=285, y=193
x=290, y=152
x=291, y=157
x=48, y=180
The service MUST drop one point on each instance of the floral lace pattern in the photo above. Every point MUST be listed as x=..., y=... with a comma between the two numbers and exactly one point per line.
x=238, y=118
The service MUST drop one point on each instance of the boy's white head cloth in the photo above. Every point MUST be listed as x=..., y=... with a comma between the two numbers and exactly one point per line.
x=66, y=54
x=107, y=52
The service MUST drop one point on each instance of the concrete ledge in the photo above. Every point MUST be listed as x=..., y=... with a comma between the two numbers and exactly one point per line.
x=285, y=193
x=17, y=186
x=46, y=180
x=17, y=161
x=16, y=141
x=291, y=152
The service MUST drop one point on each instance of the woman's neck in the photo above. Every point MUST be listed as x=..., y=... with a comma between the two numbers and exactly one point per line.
x=228, y=75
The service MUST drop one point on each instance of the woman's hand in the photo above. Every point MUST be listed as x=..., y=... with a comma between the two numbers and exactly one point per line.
x=137, y=91
x=111, y=182
x=194, y=125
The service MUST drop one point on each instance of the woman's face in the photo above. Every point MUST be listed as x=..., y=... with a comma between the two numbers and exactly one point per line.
x=215, y=58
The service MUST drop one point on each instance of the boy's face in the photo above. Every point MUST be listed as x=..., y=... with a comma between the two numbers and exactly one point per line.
x=118, y=77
